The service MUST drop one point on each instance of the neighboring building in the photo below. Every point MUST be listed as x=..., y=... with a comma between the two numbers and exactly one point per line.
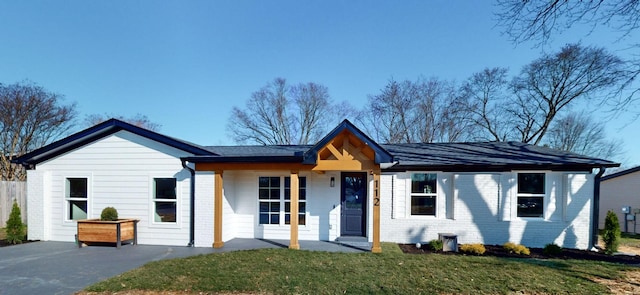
x=620, y=192
x=346, y=185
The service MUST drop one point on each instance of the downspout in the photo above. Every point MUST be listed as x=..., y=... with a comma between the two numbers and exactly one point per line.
x=192, y=195
x=596, y=209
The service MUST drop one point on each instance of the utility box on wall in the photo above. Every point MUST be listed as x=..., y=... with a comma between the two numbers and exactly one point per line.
x=449, y=242
x=626, y=209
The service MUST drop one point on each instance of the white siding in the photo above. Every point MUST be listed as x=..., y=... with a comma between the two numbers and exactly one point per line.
x=484, y=210
x=618, y=192
x=38, y=201
x=120, y=169
x=204, y=209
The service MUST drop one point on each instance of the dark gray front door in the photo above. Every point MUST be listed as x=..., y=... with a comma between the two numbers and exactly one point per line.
x=354, y=203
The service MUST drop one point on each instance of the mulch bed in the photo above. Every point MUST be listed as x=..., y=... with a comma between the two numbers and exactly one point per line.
x=537, y=253
x=3, y=243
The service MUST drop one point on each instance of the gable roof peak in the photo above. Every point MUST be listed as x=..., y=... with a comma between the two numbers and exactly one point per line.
x=99, y=131
x=381, y=155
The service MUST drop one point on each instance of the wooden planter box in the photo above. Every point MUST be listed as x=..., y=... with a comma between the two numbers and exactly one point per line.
x=98, y=231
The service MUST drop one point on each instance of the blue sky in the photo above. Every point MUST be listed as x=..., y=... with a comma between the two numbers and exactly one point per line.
x=186, y=64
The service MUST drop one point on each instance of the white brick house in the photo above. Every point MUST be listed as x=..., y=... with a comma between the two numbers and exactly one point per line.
x=346, y=185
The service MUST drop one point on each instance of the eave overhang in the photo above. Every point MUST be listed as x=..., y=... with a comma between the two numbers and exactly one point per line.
x=99, y=131
x=499, y=168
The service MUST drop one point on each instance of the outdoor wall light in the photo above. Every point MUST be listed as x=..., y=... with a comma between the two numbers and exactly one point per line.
x=332, y=183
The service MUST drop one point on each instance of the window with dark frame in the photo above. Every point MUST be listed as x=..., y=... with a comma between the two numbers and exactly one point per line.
x=274, y=197
x=77, y=197
x=302, y=200
x=531, y=193
x=269, y=197
x=424, y=193
x=165, y=200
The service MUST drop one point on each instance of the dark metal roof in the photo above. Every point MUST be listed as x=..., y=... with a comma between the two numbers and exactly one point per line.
x=476, y=157
x=487, y=156
x=99, y=131
x=472, y=157
x=620, y=173
x=253, y=154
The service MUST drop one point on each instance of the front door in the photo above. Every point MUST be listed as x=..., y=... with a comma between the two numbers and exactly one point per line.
x=354, y=203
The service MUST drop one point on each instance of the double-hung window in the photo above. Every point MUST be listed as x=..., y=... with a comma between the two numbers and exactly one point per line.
x=269, y=196
x=424, y=189
x=164, y=200
x=531, y=193
x=76, y=198
x=274, y=197
x=302, y=200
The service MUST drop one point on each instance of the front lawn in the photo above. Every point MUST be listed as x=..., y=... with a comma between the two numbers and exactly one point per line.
x=630, y=240
x=284, y=271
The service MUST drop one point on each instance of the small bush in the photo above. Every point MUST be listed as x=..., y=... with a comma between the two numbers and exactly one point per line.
x=109, y=214
x=15, y=227
x=611, y=233
x=435, y=245
x=516, y=249
x=552, y=249
x=474, y=249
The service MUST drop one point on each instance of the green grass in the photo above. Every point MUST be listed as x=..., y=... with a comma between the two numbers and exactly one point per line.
x=3, y=233
x=284, y=271
x=630, y=240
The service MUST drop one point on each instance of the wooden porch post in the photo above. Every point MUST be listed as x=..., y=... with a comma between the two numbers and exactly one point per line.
x=294, y=197
x=217, y=210
x=375, y=248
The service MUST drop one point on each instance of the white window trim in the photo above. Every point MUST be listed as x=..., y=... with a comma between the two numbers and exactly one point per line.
x=152, y=214
x=546, y=198
x=65, y=200
x=282, y=201
x=439, y=195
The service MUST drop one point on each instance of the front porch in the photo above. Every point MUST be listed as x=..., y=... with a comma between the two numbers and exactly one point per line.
x=275, y=182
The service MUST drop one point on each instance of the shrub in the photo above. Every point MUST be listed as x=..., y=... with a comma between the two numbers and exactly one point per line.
x=552, y=249
x=475, y=249
x=516, y=249
x=15, y=228
x=109, y=214
x=611, y=233
x=435, y=245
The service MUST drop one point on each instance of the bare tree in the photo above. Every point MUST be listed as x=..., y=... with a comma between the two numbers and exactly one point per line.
x=312, y=102
x=282, y=114
x=552, y=82
x=415, y=111
x=30, y=117
x=539, y=20
x=485, y=96
x=387, y=115
x=138, y=120
x=578, y=133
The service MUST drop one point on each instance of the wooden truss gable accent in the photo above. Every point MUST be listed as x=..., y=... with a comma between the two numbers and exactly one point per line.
x=345, y=152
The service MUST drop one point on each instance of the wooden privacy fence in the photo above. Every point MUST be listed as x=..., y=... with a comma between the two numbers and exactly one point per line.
x=9, y=191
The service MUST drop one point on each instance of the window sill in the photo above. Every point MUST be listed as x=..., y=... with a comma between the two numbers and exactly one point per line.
x=423, y=216
x=535, y=219
x=284, y=226
x=172, y=225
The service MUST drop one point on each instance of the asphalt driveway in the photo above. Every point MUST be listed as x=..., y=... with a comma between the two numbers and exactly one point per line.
x=63, y=268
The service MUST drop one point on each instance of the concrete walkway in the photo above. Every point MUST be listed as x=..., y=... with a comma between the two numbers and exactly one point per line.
x=63, y=268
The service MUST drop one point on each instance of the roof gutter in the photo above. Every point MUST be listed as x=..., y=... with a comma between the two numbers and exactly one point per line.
x=593, y=241
x=192, y=208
